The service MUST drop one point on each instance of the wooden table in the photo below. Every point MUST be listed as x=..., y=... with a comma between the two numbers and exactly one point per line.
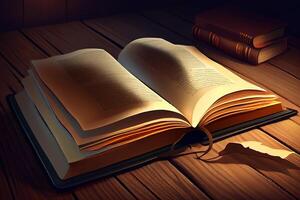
x=241, y=174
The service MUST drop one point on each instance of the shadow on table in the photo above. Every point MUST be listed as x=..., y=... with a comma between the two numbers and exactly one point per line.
x=263, y=158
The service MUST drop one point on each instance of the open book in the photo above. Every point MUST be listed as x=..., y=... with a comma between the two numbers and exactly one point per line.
x=88, y=111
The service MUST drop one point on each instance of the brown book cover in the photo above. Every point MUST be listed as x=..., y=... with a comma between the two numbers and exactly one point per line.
x=239, y=49
x=241, y=25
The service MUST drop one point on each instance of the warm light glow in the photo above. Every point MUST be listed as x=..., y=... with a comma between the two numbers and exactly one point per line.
x=258, y=146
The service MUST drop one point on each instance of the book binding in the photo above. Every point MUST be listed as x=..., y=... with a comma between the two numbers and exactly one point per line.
x=238, y=36
x=237, y=49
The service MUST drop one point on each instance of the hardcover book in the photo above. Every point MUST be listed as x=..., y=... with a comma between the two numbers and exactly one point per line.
x=89, y=115
x=241, y=50
x=241, y=25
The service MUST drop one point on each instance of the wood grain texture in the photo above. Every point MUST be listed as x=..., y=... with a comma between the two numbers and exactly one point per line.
x=288, y=61
x=137, y=188
x=17, y=50
x=23, y=171
x=8, y=78
x=108, y=188
x=283, y=171
x=124, y=28
x=166, y=182
x=171, y=22
x=11, y=14
x=229, y=178
x=44, y=12
x=288, y=132
x=68, y=37
x=42, y=43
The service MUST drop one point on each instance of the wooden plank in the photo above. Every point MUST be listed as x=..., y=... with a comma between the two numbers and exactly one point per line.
x=228, y=178
x=21, y=166
x=166, y=182
x=108, y=188
x=8, y=78
x=18, y=51
x=69, y=37
x=11, y=14
x=287, y=131
x=124, y=28
x=283, y=171
x=37, y=12
x=185, y=27
x=36, y=38
x=136, y=187
x=64, y=45
x=288, y=61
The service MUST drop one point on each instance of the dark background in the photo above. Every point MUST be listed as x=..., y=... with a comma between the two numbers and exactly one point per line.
x=15, y=14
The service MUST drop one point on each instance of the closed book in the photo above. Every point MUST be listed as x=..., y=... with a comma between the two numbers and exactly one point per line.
x=241, y=25
x=239, y=49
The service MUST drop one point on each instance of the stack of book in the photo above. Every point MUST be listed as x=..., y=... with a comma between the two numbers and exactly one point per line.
x=245, y=35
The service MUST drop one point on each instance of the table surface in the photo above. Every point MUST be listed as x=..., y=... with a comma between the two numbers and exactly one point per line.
x=235, y=172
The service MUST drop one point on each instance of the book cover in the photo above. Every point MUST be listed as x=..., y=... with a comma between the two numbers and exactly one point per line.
x=240, y=25
x=238, y=49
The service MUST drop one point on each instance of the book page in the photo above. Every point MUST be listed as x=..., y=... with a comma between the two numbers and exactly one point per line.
x=54, y=113
x=212, y=95
x=188, y=81
x=95, y=89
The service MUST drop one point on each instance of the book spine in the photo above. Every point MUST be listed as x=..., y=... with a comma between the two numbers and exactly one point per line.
x=237, y=49
x=236, y=36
